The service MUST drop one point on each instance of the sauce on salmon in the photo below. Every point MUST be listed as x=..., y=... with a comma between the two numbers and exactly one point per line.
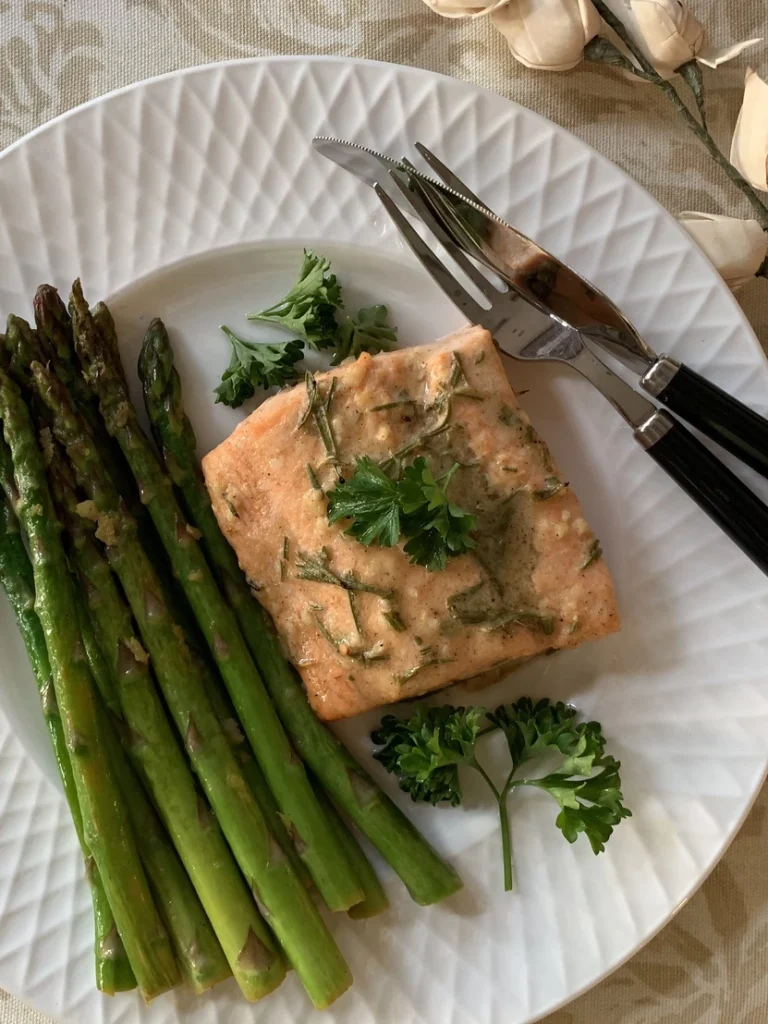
x=364, y=626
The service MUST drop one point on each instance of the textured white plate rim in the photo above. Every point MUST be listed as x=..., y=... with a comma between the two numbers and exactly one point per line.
x=367, y=62
x=431, y=75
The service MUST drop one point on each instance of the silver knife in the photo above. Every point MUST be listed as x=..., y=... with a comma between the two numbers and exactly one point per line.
x=554, y=292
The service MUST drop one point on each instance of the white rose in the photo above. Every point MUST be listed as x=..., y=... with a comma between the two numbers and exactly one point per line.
x=736, y=247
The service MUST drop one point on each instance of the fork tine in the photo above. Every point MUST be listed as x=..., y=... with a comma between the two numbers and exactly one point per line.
x=422, y=199
x=451, y=179
x=457, y=228
x=455, y=291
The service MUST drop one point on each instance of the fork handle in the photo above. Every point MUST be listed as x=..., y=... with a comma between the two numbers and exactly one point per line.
x=731, y=504
x=714, y=412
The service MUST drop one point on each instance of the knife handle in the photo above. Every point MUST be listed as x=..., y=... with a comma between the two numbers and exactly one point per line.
x=714, y=412
x=731, y=504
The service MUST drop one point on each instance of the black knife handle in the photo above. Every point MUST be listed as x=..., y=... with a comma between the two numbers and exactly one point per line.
x=711, y=410
x=733, y=506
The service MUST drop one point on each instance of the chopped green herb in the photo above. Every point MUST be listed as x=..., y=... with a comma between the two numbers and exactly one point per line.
x=283, y=571
x=575, y=626
x=462, y=595
x=443, y=404
x=392, y=405
x=316, y=485
x=490, y=618
x=329, y=395
x=457, y=377
x=256, y=364
x=316, y=407
x=479, y=358
x=317, y=569
x=308, y=310
x=353, y=610
x=368, y=332
x=509, y=417
x=286, y=547
x=415, y=505
x=325, y=631
x=375, y=653
x=552, y=486
x=594, y=554
x=425, y=750
x=429, y=658
x=420, y=439
x=395, y=620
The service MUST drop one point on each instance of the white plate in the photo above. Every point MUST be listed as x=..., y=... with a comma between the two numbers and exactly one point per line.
x=215, y=164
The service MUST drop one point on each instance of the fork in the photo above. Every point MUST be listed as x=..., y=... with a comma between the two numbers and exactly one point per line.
x=718, y=492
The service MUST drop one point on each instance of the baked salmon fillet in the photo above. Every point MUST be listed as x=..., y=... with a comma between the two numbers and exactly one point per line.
x=363, y=625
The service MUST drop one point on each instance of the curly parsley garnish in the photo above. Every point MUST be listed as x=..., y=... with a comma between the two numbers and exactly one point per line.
x=255, y=364
x=414, y=505
x=425, y=751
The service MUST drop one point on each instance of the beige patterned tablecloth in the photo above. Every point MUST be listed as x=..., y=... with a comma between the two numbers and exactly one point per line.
x=709, y=965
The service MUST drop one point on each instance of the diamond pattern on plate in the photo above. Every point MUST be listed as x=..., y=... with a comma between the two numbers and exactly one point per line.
x=219, y=156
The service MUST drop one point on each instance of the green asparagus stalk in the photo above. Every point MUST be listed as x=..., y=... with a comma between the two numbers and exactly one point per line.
x=52, y=345
x=52, y=318
x=200, y=956
x=225, y=713
x=123, y=672
x=376, y=901
x=106, y=825
x=280, y=895
x=106, y=326
x=113, y=970
x=317, y=841
x=427, y=877
x=199, y=953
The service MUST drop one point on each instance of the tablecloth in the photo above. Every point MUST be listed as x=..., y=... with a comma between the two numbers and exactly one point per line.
x=709, y=965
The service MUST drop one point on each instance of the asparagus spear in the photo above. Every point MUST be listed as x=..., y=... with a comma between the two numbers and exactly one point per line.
x=200, y=956
x=125, y=680
x=427, y=877
x=106, y=826
x=106, y=326
x=320, y=848
x=113, y=970
x=225, y=713
x=375, y=901
x=283, y=899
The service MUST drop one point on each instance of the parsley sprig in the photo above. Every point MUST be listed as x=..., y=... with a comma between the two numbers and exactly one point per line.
x=309, y=308
x=425, y=751
x=370, y=331
x=254, y=365
x=414, y=504
x=308, y=311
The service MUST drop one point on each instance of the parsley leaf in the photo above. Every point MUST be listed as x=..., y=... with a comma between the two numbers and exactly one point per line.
x=414, y=505
x=370, y=332
x=253, y=365
x=308, y=310
x=372, y=500
x=435, y=526
x=425, y=751
x=590, y=803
